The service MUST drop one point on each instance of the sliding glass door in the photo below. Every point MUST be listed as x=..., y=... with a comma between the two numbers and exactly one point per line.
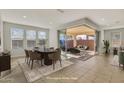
x=17, y=38
x=62, y=41
x=76, y=40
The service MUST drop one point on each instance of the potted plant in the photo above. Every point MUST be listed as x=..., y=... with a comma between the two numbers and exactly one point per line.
x=106, y=46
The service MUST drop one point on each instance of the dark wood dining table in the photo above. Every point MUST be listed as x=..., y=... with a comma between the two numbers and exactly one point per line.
x=45, y=52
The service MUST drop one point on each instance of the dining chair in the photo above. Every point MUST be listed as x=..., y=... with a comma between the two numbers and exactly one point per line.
x=34, y=56
x=59, y=53
x=26, y=56
x=56, y=57
x=52, y=48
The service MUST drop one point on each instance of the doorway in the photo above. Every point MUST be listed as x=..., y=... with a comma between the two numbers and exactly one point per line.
x=82, y=38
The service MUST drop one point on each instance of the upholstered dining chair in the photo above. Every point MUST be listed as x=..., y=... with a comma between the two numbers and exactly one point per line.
x=56, y=57
x=27, y=56
x=59, y=53
x=34, y=56
x=51, y=48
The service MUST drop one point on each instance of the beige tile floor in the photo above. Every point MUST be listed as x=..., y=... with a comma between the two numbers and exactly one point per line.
x=95, y=70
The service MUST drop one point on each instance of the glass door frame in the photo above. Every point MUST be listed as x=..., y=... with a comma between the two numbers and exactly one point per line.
x=96, y=44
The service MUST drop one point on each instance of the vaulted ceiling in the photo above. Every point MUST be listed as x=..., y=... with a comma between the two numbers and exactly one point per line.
x=56, y=17
x=80, y=30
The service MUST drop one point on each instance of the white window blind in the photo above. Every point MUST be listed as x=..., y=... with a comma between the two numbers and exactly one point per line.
x=42, y=36
x=17, y=37
x=91, y=37
x=83, y=37
x=31, y=38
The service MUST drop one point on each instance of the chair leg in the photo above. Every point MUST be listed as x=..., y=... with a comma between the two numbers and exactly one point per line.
x=32, y=64
x=53, y=65
x=25, y=59
x=60, y=63
x=41, y=63
x=29, y=61
x=123, y=66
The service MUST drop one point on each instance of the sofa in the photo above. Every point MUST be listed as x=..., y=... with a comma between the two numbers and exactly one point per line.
x=74, y=50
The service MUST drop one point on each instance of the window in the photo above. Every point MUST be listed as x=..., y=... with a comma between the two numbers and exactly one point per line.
x=31, y=38
x=17, y=36
x=83, y=37
x=90, y=37
x=69, y=38
x=42, y=37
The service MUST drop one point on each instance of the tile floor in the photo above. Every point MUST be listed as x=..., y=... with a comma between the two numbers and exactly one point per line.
x=95, y=70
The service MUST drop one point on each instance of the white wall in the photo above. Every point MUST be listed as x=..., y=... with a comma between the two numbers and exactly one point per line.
x=108, y=35
x=53, y=38
x=101, y=41
x=1, y=33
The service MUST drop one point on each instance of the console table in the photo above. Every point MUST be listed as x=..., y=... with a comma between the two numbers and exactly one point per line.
x=5, y=63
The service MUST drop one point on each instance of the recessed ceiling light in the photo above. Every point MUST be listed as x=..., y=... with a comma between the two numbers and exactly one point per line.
x=24, y=16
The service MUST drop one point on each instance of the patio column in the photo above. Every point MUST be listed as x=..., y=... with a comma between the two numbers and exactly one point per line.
x=74, y=41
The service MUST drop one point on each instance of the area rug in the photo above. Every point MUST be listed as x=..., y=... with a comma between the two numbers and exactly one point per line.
x=7, y=81
x=115, y=61
x=73, y=55
x=80, y=59
x=39, y=71
x=86, y=57
x=74, y=60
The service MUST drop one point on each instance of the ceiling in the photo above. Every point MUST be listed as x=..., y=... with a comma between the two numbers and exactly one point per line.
x=80, y=30
x=55, y=17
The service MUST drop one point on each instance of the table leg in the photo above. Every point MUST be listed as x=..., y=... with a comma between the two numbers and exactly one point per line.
x=47, y=61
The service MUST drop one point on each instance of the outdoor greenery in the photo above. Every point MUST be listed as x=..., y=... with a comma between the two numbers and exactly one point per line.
x=106, y=46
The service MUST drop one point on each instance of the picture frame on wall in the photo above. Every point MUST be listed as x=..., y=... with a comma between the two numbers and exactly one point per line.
x=116, y=39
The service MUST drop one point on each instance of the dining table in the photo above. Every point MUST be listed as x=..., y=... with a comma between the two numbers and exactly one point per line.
x=44, y=53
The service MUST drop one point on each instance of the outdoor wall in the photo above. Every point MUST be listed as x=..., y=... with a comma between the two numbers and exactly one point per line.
x=70, y=44
x=89, y=43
